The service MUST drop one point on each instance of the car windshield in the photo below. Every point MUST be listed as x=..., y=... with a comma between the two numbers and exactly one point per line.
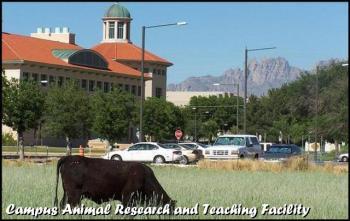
x=202, y=145
x=165, y=146
x=188, y=146
x=239, y=141
x=274, y=150
x=280, y=150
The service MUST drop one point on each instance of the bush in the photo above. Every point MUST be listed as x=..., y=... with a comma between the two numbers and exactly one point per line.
x=7, y=140
x=298, y=163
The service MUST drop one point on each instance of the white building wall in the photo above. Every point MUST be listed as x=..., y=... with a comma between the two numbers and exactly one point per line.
x=12, y=72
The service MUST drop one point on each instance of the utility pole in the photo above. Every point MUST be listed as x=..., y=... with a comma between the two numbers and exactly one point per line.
x=245, y=90
x=316, y=113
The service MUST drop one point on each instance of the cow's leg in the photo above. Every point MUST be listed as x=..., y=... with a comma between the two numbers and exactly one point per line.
x=74, y=197
x=131, y=192
x=63, y=202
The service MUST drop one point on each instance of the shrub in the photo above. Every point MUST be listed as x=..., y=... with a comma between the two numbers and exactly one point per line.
x=8, y=140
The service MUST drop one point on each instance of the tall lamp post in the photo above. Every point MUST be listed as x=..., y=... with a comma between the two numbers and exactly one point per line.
x=142, y=69
x=237, y=86
x=245, y=82
x=316, y=127
x=195, y=123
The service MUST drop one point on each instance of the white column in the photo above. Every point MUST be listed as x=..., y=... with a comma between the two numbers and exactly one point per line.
x=124, y=31
x=115, y=30
x=104, y=31
x=107, y=30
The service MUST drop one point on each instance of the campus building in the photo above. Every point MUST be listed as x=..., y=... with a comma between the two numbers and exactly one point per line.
x=53, y=56
x=182, y=98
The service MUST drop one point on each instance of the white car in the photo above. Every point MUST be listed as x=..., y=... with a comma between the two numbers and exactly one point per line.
x=234, y=147
x=146, y=152
x=343, y=157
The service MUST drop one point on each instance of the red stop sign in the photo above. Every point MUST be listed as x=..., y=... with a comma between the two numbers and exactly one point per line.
x=178, y=134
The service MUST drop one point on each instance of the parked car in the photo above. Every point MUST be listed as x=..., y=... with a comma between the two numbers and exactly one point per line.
x=233, y=147
x=195, y=145
x=189, y=154
x=282, y=151
x=343, y=157
x=146, y=152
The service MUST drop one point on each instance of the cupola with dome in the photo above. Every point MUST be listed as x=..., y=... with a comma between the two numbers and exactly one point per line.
x=116, y=24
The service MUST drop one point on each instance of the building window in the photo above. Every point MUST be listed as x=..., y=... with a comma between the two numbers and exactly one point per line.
x=120, y=30
x=67, y=79
x=105, y=30
x=112, y=86
x=159, y=72
x=139, y=91
x=26, y=76
x=91, y=85
x=163, y=72
x=77, y=82
x=127, y=88
x=84, y=84
x=146, y=70
x=133, y=89
x=43, y=79
x=99, y=85
x=106, y=87
x=60, y=81
x=35, y=77
x=51, y=80
x=120, y=86
x=128, y=31
x=111, y=30
x=158, y=92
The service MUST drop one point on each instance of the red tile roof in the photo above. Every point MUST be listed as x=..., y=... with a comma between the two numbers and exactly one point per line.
x=20, y=47
x=127, y=51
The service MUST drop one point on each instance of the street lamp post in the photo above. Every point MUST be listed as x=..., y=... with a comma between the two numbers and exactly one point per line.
x=237, y=86
x=195, y=124
x=142, y=69
x=315, y=150
x=245, y=82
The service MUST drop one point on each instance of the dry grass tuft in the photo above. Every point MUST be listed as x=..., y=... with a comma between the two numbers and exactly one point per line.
x=291, y=164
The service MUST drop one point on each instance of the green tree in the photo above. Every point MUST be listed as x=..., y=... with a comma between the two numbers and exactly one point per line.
x=210, y=129
x=113, y=113
x=22, y=106
x=161, y=118
x=67, y=113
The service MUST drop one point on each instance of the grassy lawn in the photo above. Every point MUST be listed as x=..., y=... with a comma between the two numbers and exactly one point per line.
x=31, y=185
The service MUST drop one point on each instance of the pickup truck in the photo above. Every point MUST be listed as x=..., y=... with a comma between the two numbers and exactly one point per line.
x=233, y=147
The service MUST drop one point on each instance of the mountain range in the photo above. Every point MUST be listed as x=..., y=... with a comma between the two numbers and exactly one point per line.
x=262, y=75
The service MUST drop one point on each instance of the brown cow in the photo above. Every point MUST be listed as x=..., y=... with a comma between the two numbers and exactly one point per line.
x=104, y=180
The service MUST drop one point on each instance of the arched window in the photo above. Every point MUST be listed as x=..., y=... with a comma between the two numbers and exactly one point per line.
x=88, y=58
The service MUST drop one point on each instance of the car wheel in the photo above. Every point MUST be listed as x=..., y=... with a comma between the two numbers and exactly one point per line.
x=344, y=159
x=116, y=157
x=256, y=156
x=241, y=156
x=159, y=160
x=184, y=160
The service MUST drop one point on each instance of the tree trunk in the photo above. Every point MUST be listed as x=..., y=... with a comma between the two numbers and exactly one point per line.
x=21, y=151
x=336, y=148
x=69, y=147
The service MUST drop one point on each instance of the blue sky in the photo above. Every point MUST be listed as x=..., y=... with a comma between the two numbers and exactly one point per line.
x=216, y=34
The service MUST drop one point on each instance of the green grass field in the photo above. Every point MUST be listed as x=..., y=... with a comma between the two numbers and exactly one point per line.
x=325, y=193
